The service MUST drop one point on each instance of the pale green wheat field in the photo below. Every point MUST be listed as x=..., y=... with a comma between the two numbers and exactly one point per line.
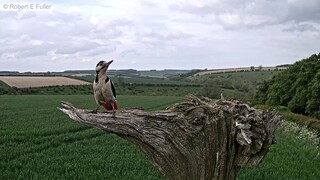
x=37, y=141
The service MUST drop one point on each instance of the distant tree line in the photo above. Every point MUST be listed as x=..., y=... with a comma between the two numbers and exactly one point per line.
x=298, y=88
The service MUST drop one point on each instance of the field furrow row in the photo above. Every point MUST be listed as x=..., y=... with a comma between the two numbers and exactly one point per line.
x=33, y=148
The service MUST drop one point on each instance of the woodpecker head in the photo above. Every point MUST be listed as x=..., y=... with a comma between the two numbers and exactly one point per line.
x=103, y=66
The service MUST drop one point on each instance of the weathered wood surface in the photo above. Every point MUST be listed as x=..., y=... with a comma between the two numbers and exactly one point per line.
x=197, y=139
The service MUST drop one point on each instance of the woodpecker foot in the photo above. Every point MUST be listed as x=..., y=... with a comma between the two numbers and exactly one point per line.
x=114, y=115
x=94, y=111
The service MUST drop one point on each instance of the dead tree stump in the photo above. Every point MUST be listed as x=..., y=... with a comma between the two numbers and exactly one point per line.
x=199, y=138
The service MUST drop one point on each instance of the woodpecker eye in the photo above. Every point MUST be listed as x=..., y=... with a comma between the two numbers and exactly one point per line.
x=100, y=63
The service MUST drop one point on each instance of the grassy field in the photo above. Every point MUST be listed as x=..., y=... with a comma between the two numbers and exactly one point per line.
x=40, y=142
x=139, y=80
x=240, y=69
x=238, y=85
x=250, y=77
x=295, y=156
x=3, y=85
x=144, y=90
x=124, y=86
x=162, y=73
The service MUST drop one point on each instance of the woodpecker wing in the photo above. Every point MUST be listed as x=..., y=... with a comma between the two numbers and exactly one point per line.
x=113, y=89
x=96, y=79
x=109, y=90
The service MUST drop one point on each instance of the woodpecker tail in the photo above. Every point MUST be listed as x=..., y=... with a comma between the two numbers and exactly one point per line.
x=108, y=106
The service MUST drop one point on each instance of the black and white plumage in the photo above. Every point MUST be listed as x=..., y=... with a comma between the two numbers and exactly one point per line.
x=104, y=89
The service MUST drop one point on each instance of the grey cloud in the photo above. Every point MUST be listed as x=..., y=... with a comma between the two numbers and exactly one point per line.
x=148, y=4
x=27, y=15
x=129, y=52
x=121, y=22
x=7, y=14
x=302, y=11
x=302, y=28
x=254, y=14
x=110, y=29
x=24, y=45
x=166, y=35
x=98, y=50
x=229, y=14
x=74, y=46
x=64, y=33
x=106, y=34
x=193, y=9
x=161, y=35
x=38, y=26
x=16, y=15
x=61, y=16
x=176, y=35
x=211, y=8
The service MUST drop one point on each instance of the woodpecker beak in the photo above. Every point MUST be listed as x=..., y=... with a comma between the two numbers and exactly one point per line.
x=108, y=63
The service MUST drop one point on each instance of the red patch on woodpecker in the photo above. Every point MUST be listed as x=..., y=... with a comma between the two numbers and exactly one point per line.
x=108, y=106
x=115, y=105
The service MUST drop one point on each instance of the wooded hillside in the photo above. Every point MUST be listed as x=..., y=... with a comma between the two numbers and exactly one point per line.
x=298, y=88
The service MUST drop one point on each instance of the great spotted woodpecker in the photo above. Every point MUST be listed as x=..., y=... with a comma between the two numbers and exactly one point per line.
x=103, y=88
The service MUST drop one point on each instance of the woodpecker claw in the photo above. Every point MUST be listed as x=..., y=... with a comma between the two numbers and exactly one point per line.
x=113, y=113
x=93, y=111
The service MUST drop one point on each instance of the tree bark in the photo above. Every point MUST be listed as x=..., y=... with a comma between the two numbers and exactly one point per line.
x=199, y=138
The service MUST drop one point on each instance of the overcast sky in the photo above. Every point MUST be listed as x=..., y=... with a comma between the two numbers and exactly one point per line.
x=158, y=34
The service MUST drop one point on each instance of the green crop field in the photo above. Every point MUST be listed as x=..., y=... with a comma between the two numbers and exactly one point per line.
x=148, y=80
x=143, y=90
x=251, y=76
x=37, y=141
x=4, y=86
x=238, y=85
x=139, y=80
